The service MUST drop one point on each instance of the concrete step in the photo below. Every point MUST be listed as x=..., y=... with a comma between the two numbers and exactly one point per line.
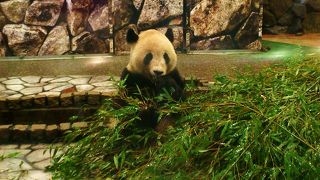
x=40, y=133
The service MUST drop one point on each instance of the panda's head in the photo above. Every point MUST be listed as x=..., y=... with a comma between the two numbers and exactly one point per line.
x=152, y=53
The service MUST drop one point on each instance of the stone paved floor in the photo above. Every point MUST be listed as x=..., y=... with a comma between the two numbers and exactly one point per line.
x=26, y=86
x=25, y=161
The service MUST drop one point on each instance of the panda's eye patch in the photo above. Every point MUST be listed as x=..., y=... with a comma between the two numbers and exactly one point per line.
x=147, y=59
x=166, y=58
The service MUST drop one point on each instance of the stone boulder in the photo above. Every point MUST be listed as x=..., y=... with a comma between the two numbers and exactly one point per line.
x=43, y=12
x=100, y=18
x=3, y=48
x=137, y=4
x=216, y=43
x=120, y=38
x=57, y=42
x=249, y=31
x=193, y=3
x=176, y=21
x=177, y=35
x=15, y=10
x=276, y=30
x=79, y=4
x=122, y=13
x=24, y=40
x=77, y=15
x=286, y=19
x=280, y=7
x=314, y=4
x=77, y=20
x=299, y=10
x=210, y=18
x=268, y=18
x=156, y=11
x=3, y=20
x=255, y=45
x=255, y=5
x=311, y=23
x=296, y=26
x=88, y=43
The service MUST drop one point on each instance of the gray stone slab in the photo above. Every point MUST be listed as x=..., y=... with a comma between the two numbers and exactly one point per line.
x=9, y=92
x=18, y=153
x=59, y=89
x=81, y=76
x=3, y=79
x=35, y=175
x=115, y=78
x=2, y=87
x=31, y=90
x=46, y=79
x=61, y=79
x=35, y=84
x=9, y=146
x=43, y=164
x=79, y=81
x=49, y=93
x=96, y=79
x=105, y=89
x=39, y=101
x=53, y=85
x=38, y=155
x=6, y=175
x=15, y=96
x=53, y=100
x=39, y=146
x=25, y=146
x=15, y=87
x=104, y=83
x=31, y=79
x=14, y=164
x=13, y=81
x=14, y=77
x=66, y=99
x=82, y=88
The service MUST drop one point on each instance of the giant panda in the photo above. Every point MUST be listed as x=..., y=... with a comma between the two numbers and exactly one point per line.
x=152, y=70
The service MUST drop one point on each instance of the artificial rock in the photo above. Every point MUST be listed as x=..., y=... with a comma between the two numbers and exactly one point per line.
x=24, y=40
x=43, y=13
x=57, y=42
x=15, y=10
x=210, y=18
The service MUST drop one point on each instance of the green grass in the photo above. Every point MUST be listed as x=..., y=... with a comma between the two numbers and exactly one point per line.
x=255, y=126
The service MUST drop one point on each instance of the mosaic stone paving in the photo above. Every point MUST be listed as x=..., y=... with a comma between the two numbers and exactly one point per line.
x=30, y=86
x=25, y=161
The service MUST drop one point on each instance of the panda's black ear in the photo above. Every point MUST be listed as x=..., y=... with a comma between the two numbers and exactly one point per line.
x=132, y=36
x=169, y=34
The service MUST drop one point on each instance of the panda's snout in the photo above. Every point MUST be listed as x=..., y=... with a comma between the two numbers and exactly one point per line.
x=158, y=73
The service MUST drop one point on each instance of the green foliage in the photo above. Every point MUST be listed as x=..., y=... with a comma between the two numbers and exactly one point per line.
x=255, y=126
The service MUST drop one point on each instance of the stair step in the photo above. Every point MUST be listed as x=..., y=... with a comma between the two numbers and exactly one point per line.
x=41, y=133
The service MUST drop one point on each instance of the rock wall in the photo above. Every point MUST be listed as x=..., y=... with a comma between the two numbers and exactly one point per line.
x=55, y=27
x=225, y=24
x=58, y=27
x=291, y=16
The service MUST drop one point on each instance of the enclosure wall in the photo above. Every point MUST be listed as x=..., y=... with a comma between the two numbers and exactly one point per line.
x=57, y=27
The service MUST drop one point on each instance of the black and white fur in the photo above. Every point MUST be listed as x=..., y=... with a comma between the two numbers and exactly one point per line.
x=152, y=69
